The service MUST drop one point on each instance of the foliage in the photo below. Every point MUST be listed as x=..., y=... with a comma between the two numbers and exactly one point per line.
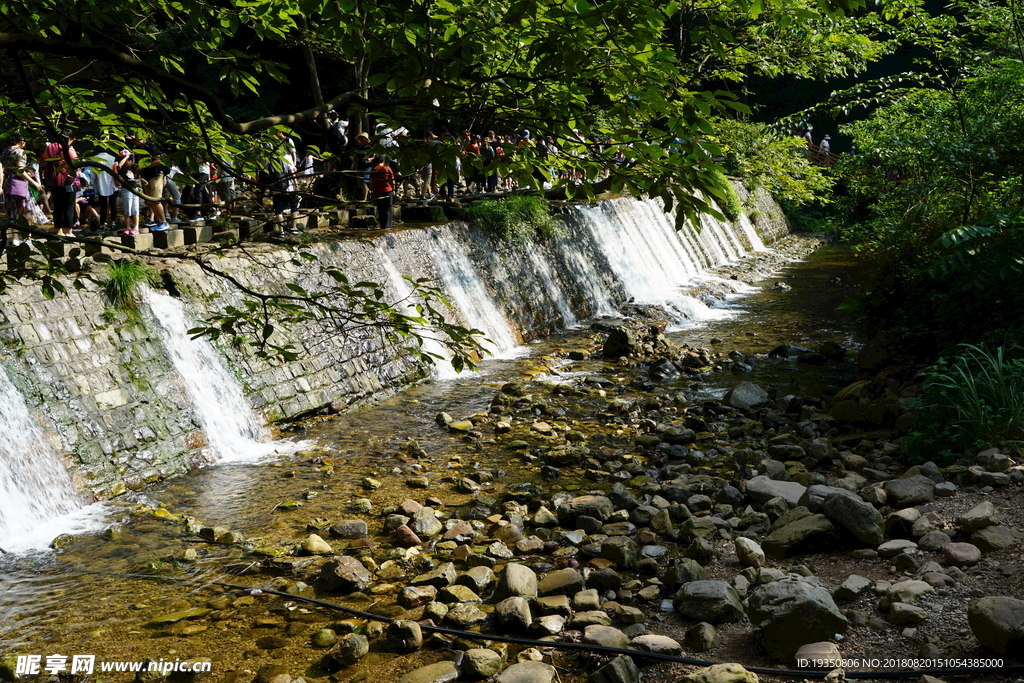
x=763, y=157
x=973, y=399
x=124, y=282
x=519, y=218
x=727, y=199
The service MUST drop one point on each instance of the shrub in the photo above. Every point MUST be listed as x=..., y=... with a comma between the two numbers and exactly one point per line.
x=973, y=399
x=518, y=218
x=123, y=285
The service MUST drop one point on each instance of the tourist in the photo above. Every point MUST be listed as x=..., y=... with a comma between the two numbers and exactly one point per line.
x=337, y=139
x=85, y=203
x=428, y=172
x=382, y=184
x=172, y=192
x=106, y=190
x=226, y=185
x=362, y=164
x=824, y=149
x=16, y=179
x=130, y=179
x=281, y=182
x=201, y=193
x=153, y=171
x=59, y=178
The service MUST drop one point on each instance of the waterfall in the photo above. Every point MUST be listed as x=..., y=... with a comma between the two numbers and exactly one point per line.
x=34, y=486
x=442, y=368
x=218, y=403
x=467, y=290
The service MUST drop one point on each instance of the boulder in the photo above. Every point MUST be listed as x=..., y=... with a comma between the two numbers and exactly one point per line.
x=442, y=672
x=605, y=636
x=479, y=662
x=403, y=636
x=813, y=531
x=702, y=637
x=746, y=396
x=859, y=518
x=566, y=581
x=344, y=574
x=715, y=602
x=516, y=580
x=662, y=645
x=514, y=613
x=992, y=538
x=911, y=491
x=599, y=507
x=852, y=588
x=981, y=515
x=346, y=653
x=789, y=613
x=749, y=552
x=425, y=523
x=961, y=554
x=439, y=577
x=762, y=489
x=998, y=623
x=622, y=669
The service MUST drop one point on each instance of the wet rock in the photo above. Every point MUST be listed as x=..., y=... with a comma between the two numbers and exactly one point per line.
x=620, y=550
x=464, y=615
x=713, y=601
x=442, y=672
x=346, y=653
x=598, y=507
x=414, y=596
x=405, y=537
x=605, y=636
x=323, y=638
x=403, y=637
x=344, y=574
x=590, y=618
x=961, y=554
x=443, y=575
x=789, y=613
x=604, y=580
x=477, y=578
x=702, y=637
x=721, y=673
x=516, y=580
x=746, y=396
x=527, y=672
x=350, y=528
x=460, y=594
x=554, y=604
x=902, y=493
x=425, y=523
x=268, y=673
x=480, y=662
x=514, y=613
x=586, y=600
x=314, y=545
x=998, y=623
x=548, y=625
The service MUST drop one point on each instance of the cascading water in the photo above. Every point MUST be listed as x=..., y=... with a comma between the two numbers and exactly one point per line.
x=34, y=486
x=220, y=407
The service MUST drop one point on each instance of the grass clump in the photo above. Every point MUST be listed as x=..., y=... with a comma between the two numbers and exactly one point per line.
x=726, y=197
x=971, y=400
x=519, y=218
x=123, y=285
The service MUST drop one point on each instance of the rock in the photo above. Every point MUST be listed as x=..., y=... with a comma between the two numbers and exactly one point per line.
x=713, y=601
x=344, y=574
x=823, y=655
x=323, y=638
x=604, y=580
x=981, y=515
x=789, y=613
x=465, y=615
x=268, y=673
x=721, y=673
x=477, y=578
x=405, y=537
x=479, y=662
x=621, y=341
x=516, y=580
x=762, y=489
x=346, y=653
x=619, y=670
x=586, y=600
x=548, y=625
x=961, y=554
x=934, y=540
x=908, y=591
x=598, y=507
x=441, y=576
x=684, y=571
x=749, y=552
x=605, y=636
x=350, y=528
x=859, y=518
x=314, y=545
x=852, y=588
x=590, y=618
x=403, y=636
x=702, y=637
x=998, y=623
x=813, y=531
x=425, y=523
x=620, y=550
x=992, y=538
x=514, y=613
x=566, y=581
x=904, y=613
x=746, y=396
x=414, y=596
x=527, y=672
x=814, y=497
x=911, y=491
x=662, y=645
x=442, y=672
x=457, y=593
x=895, y=547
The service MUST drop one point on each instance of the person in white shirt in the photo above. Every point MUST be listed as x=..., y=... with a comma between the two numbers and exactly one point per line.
x=106, y=190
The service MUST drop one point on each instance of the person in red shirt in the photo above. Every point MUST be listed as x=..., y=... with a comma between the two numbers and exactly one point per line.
x=59, y=178
x=382, y=185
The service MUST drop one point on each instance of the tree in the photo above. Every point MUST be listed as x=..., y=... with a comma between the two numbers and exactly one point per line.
x=215, y=79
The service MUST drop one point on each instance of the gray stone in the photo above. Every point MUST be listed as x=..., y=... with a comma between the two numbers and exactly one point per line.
x=566, y=581
x=904, y=613
x=721, y=673
x=346, y=653
x=442, y=672
x=605, y=636
x=992, y=538
x=981, y=515
x=314, y=545
x=749, y=552
x=598, y=507
x=814, y=496
x=458, y=593
x=895, y=547
x=548, y=625
x=527, y=672
x=908, y=591
x=702, y=637
x=351, y=528
x=516, y=580
x=684, y=571
x=622, y=669
x=344, y=574
x=961, y=554
x=762, y=489
x=443, y=575
x=852, y=588
x=620, y=550
x=479, y=662
x=746, y=396
x=554, y=604
x=586, y=600
x=998, y=623
x=713, y=601
x=813, y=531
x=465, y=615
x=514, y=613
x=934, y=540
x=914, y=490
x=425, y=523
x=859, y=518
x=403, y=636
x=825, y=653
x=590, y=618
x=662, y=645
x=604, y=580
x=477, y=578
x=789, y=613
x=414, y=596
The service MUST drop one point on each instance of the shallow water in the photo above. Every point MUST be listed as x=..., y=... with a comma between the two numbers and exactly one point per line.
x=52, y=602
